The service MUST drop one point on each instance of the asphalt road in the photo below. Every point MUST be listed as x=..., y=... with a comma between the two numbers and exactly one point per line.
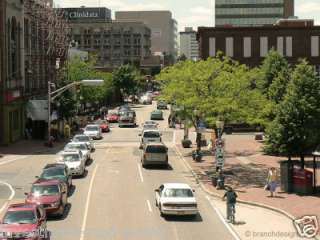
x=116, y=198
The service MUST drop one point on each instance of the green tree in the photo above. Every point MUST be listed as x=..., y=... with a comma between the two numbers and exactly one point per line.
x=295, y=130
x=126, y=79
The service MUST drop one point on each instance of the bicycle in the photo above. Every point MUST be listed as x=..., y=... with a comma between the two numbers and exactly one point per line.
x=232, y=213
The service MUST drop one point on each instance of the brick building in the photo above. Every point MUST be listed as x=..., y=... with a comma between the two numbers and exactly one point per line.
x=294, y=39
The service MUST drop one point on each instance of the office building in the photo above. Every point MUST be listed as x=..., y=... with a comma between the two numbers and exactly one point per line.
x=252, y=12
x=164, y=31
x=114, y=43
x=294, y=39
x=188, y=44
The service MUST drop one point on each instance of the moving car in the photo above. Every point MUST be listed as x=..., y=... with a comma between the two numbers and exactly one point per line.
x=150, y=122
x=75, y=161
x=83, y=147
x=154, y=154
x=103, y=125
x=149, y=136
x=176, y=199
x=51, y=194
x=162, y=105
x=93, y=131
x=56, y=171
x=145, y=99
x=24, y=221
x=113, y=117
x=156, y=115
x=149, y=126
x=84, y=139
x=127, y=119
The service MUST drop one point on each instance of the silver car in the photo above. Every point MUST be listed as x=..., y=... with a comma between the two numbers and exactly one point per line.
x=155, y=154
x=93, y=131
x=84, y=138
x=150, y=135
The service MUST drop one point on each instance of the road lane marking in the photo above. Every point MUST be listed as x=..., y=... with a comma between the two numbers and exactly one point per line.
x=11, y=195
x=140, y=172
x=84, y=223
x=12, y=160
x=233, y=233
x=149, y=205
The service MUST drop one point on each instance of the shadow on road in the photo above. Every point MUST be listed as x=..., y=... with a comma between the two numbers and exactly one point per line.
x=65, y=214
x=157, y=167
x=196, y=218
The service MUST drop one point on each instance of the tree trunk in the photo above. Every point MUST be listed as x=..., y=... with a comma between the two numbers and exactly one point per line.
x=198, y=141
x=302, y=161
x=186, y=130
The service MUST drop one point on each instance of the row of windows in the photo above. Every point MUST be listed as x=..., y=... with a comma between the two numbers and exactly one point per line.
x=255, y=2
x=245, y=21
x=284, y=46
x=248, y=11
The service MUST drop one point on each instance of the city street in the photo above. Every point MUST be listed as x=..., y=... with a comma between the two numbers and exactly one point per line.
x=116, y=198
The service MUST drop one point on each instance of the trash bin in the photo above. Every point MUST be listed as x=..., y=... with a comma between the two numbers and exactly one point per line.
x=286, y=168
x=302, y=181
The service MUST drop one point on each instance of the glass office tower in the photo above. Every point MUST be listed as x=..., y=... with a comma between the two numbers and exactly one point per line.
x=252, y=12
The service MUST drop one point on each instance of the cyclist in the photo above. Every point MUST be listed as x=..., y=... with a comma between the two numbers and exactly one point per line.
x=231, y=202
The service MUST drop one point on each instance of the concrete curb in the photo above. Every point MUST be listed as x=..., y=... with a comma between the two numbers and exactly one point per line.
x=218, y=196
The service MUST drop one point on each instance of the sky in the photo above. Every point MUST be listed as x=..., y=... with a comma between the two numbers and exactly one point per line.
x=188, y=13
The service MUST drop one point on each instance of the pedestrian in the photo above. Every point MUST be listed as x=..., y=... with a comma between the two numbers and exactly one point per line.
x=272, y=181
x=231, y=197
x=67, y=130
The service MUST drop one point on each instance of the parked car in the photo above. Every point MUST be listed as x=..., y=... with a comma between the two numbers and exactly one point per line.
x=176, y=199
x=83, y=147
x=93, y=131
x=84, y=139
x=162, y=105
x=75, y=161
x=127, y=119
x=104, y=126
x=51, y=194
x=124, y=107
x=149, y=136
x=113, y=117
x=57, y=171
x=154, y=154
x=23, y=221
x=156, y=115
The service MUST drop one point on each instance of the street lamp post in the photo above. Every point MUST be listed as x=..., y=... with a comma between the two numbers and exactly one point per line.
x=52, y=95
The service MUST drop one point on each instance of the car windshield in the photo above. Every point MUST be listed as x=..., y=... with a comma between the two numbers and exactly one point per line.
x=156, y=149
x=178, y=193
x=92, y=128
x=151, y=135
x=76, y=146
x=82, y=138
x=53, y=173
x=70, y=158
x=45, y=190
x=19, y=217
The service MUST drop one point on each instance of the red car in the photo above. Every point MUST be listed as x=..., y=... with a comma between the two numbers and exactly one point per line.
x=51, y=194
x=24, y=221
x=103, y=125
x=113, y=118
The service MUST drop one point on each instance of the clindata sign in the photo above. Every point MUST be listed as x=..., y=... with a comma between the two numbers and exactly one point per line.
x=87, y=13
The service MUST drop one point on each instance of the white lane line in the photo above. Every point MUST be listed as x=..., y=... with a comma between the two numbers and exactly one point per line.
x=174, y=137
x=84, y=223
x=223, y=220
x=149, y=205
x=11, y=195
x=140, y=172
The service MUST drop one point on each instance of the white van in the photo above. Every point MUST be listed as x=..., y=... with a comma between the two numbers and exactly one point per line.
x=150, y=136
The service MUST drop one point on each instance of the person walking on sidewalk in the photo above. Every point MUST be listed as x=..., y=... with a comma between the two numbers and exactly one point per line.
x=231, y=202
x=272, y=181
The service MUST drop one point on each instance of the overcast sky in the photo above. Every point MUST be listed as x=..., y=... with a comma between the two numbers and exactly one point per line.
x=192, y=13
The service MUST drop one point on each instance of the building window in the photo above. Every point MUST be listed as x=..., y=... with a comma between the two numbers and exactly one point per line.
x=314, y=46
x=212, y=47
x=247, y=47
x=263, y=46
x=280, y=45
x=229, y=46
x=289, y=46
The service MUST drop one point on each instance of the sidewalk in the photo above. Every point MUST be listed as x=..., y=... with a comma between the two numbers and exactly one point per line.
x=24, y=148
x=246, y=171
